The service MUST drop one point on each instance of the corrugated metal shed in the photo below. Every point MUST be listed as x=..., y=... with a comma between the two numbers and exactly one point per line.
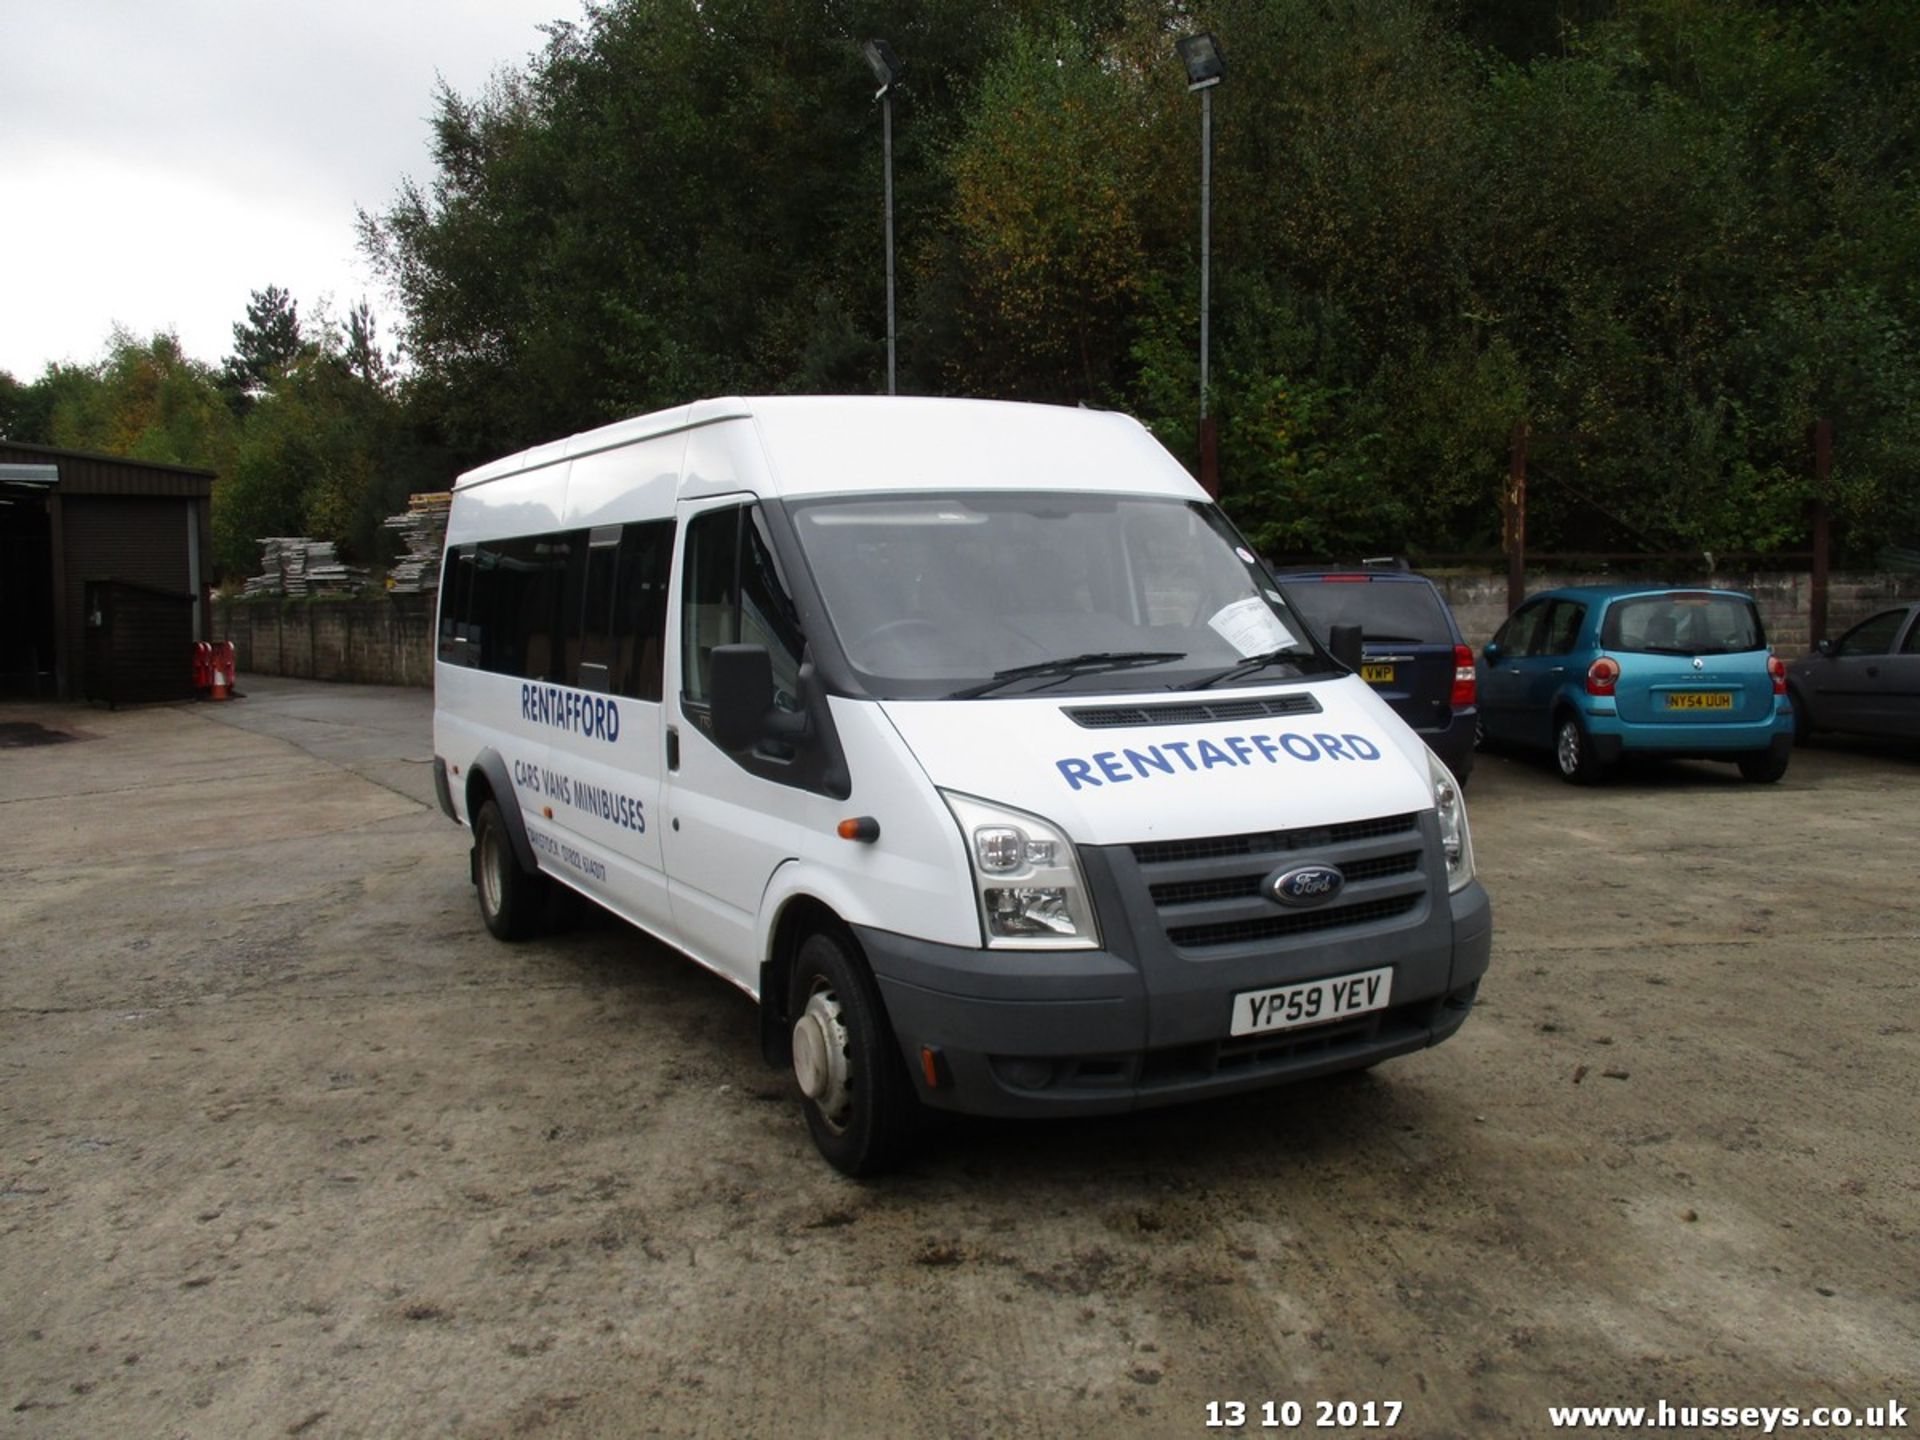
x=106, y=518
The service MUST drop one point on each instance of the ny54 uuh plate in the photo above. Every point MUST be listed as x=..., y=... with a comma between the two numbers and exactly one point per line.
x=1312, y=1002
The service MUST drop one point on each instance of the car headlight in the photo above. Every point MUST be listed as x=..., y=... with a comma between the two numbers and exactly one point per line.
x=1456, y=840
x=1027, y=879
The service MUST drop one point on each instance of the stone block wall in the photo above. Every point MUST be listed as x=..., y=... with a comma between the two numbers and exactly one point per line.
x=1479, y=601
x=378, y=640
x=388, y=640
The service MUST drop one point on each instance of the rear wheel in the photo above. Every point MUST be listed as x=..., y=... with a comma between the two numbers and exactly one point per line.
x=511, y=899
x=858, y=1098
x=1573, y=752
x=1763, y=767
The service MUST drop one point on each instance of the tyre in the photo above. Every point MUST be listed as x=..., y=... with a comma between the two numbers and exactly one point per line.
x=1802, y=719
x=1573, y=752
x=512, y=900
x=858, y=1098
x=1764, y=766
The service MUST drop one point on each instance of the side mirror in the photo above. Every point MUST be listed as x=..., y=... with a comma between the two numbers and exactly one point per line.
x=741, y=699
x=1825, y=647
x=1492, y=651
x=1344, y=644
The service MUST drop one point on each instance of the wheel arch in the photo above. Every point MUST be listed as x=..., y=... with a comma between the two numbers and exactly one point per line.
x=488, y=779
x=792, y=917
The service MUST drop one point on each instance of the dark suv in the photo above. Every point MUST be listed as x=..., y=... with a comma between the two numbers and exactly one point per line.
x=1411, y=650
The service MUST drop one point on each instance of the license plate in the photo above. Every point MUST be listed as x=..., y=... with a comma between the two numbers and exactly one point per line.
x=1312, y=1002
x=1377, y=674
x=1700, y=700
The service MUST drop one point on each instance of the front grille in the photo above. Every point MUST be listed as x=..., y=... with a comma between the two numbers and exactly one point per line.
x=1272, y=927
x=1193, y=892
x=1192, y=712
x=1274, y=842
x=1212, y=894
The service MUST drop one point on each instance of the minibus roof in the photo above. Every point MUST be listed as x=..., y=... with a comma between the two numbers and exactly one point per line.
x=849, y=444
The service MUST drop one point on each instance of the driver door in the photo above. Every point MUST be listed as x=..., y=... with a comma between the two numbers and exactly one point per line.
x=728, y=826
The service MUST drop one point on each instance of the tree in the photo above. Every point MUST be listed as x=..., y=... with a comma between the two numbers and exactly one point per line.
x=361, y=351
x=265, y=344
x=1666, y=233
x=146, y=400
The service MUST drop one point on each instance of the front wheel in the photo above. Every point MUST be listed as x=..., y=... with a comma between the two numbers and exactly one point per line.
x=511, y=899
x=1573, y=753
x=1765, y=767
x=858, y=1098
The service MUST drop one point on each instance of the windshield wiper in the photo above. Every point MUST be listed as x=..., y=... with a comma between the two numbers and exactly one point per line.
x=1070, y=665
x=1247, y=667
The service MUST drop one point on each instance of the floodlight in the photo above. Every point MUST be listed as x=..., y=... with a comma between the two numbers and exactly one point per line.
x=1205, y=64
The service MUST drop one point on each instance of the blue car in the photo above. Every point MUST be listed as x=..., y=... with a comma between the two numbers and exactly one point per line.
x=1594, y=673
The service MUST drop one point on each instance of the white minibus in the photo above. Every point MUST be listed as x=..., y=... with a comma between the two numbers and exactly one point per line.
x=969, y=738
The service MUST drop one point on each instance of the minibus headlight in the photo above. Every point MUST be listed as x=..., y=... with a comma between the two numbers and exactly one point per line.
x=1456, y=840
x=1026, y=877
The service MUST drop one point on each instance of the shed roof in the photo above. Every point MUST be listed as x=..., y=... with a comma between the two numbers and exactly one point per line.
x=84, y=473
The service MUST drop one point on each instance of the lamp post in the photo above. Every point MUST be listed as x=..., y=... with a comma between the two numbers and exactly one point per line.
x=886, y=69
x=1206, y=68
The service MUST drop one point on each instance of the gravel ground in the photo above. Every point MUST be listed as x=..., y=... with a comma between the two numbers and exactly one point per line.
x=290, y=1146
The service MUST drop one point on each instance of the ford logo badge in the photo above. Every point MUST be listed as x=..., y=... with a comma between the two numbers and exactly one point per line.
x=1306, y=885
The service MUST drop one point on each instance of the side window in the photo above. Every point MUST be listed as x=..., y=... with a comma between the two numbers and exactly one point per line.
x=456, y=592
x=514, y=609
x=595, y=608
x=767, y=616
x=1872, y=637
x=709, y=615
x=734, y=594
x=1563, y=624
x=541, y=635
x=1523, y=630
x=639, y=628
x=1912, y=647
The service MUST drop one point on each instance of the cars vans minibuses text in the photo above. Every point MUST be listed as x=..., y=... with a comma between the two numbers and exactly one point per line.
x=969, y=738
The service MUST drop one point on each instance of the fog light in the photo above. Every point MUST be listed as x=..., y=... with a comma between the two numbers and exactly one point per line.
x=1024, y=1074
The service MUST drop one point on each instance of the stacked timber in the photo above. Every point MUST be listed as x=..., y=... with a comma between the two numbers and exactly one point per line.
x=422, y=526
x=298, y=566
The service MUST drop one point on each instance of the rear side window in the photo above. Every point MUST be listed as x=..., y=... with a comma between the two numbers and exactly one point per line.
x=1872, y=637
x=1562, y=628
x=578, y=607
x=1683, y=622
x=1403, y=611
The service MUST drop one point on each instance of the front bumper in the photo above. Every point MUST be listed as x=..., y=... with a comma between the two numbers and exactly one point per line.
x=1097, y=1032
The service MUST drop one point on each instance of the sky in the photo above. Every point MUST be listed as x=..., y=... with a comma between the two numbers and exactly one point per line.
x=160, y=160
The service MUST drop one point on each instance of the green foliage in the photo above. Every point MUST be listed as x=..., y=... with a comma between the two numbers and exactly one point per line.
x=1668, y=235
x=145, y=400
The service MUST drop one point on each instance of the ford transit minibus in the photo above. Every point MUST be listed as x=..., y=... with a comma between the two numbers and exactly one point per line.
x=969, y=738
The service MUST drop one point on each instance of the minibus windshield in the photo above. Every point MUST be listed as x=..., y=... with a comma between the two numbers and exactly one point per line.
x=1002, y=593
